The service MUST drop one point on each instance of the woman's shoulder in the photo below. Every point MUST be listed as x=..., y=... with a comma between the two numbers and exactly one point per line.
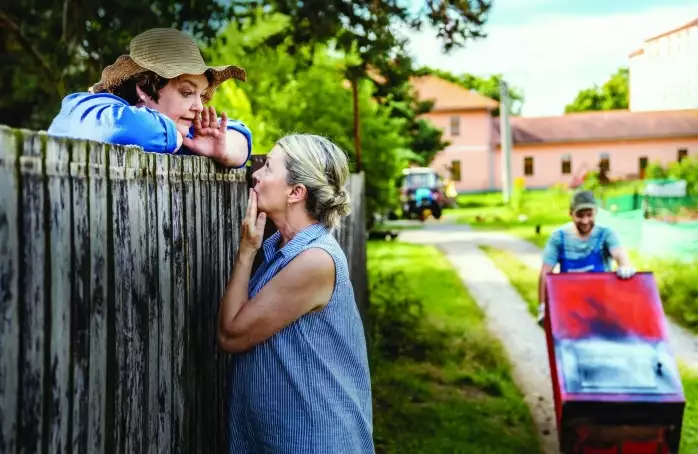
x=105, y=117
x=86, y=100
x=328, y=243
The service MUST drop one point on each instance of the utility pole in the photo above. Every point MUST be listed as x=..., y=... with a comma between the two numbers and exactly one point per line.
x=505, y=140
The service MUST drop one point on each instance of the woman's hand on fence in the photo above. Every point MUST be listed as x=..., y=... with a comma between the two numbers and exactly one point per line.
x=210, y=135
x=252, y=226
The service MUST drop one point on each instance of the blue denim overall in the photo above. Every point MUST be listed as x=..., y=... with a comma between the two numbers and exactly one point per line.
x=592, y=263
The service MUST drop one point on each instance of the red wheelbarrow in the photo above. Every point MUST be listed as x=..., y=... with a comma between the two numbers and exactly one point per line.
x=616, y=385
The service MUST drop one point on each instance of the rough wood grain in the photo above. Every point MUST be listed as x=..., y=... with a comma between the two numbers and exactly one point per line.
x=136, y=320
x=180, y=428
x=151, y=306
x=100, y=430
x=59, y=225
x=9, y=290
x=33, y=320
x=124, y=281
x=205, y=284
x=161, y=225
x=192, y=191
x=80, y=300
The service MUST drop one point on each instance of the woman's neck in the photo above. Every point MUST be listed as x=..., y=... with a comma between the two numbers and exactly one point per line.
x=290, y=225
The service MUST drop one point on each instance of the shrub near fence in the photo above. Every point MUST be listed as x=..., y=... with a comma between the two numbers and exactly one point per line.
x=112, y=265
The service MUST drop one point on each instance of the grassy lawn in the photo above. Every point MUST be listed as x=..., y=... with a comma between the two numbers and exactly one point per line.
x=689, y=432
x=525, y=281
x=545, y=208
x=441, y=382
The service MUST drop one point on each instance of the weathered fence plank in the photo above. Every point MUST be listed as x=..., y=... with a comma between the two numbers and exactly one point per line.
x=34, y=325
x=112, y=266
x=162, y=225
x=101, y=423
x=209, y=263
x=153, y=332
x=192, y=198
x=80, y=300
x=9, y=289
x=60, y=216
x=179, y=304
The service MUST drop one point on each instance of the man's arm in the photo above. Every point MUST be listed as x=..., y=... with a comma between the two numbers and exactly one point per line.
x=542, y=291
x=551, y=256
x=618, y=253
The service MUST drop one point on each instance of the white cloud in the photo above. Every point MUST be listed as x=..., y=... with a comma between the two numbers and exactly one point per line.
x=553, y=56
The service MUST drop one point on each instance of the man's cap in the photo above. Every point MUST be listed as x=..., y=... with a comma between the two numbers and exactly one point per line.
x=582, y=200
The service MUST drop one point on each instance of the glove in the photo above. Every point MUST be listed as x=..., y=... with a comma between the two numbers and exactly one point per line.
x=625, y=272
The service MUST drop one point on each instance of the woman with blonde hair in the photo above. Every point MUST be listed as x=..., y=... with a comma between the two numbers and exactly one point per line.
x=155, y=98
x=300, y=381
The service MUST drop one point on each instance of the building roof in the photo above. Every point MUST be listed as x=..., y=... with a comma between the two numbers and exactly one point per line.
x=448, y=96
x=636, y=52
x=693, y=23
x=600, y=126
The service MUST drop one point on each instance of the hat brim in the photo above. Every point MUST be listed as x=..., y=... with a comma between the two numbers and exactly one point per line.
x=125, y=67
x=584, y=206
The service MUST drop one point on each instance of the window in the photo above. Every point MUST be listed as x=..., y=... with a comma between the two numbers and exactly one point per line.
x=566, y=164
x=604, y=162
x=455, y=170
x=528, y=166
x=642, y=165
x=682, y=154
x=455, y=125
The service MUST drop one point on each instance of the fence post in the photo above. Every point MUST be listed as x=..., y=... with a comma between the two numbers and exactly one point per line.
x=9, y=293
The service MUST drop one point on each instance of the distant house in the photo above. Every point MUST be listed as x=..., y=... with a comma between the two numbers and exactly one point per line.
x=550, y=150
x=664, y=71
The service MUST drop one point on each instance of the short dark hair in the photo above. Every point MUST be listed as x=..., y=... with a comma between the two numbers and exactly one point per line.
x=149, y=82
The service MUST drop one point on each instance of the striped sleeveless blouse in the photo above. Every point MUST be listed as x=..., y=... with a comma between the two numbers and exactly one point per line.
x=306, y=389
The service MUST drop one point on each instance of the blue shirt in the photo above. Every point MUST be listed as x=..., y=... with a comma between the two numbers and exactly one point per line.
x=578, y=248
x=104, y=117
x=306, y=389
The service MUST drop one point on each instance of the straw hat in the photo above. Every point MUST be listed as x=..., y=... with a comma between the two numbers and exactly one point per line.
x=169, y=53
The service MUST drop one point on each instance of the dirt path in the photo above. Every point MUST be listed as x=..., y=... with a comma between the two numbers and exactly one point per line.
x=507, y=318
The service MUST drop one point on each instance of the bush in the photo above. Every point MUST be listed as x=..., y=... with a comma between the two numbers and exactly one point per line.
x=678, y=287
x=676, y=282
x=400, y=330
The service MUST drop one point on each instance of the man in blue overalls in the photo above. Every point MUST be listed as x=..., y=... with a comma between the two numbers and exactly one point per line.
x=581, y=246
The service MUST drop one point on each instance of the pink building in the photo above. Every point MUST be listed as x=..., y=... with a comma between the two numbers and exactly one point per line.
x=550, y=150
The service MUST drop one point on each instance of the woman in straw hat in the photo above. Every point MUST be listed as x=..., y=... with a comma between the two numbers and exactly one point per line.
x=155, y=98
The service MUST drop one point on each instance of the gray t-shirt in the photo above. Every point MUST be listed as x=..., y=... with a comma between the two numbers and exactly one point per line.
x=577, y=248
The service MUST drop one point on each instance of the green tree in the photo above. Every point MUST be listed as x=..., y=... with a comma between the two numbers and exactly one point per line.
x=363, y=31
x=612, y=95
x=53, y=48
x=286, y=95
x=486, y=86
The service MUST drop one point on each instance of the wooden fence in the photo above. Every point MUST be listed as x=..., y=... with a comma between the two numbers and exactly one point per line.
x=112, y=265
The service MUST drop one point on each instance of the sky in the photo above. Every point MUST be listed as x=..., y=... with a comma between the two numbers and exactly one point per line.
x=554, y=48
